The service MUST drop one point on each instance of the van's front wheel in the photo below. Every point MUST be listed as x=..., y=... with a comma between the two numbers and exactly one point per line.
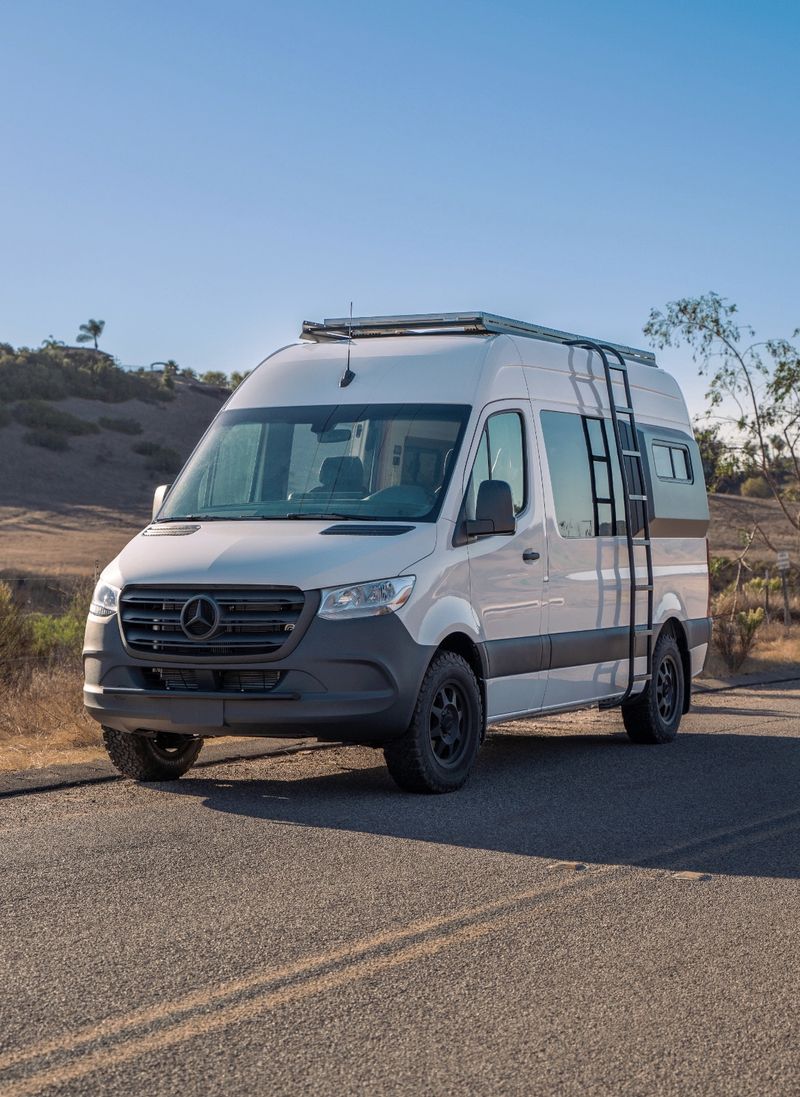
x=439, y=749
x=164, y=757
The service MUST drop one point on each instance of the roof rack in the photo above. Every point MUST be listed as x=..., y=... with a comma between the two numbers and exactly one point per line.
x=451, y=323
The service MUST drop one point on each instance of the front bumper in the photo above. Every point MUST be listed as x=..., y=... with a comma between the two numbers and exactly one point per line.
x=346, y=680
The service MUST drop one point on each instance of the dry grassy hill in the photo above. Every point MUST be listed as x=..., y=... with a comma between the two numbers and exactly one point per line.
x=731, y=515
x=62, y=510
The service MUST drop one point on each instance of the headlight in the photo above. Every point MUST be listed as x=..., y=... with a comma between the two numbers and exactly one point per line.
x=104, y=600
x=366, y=599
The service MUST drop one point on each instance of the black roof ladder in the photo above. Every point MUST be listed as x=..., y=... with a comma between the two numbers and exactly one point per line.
x=634, y=481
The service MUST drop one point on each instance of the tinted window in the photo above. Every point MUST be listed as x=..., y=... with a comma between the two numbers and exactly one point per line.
x=586, y=477
x=500, y=456
x=506, y=454
x=662, y=462
x=679, y=463
x=567, y=455
x=480, y=472
x=671, y=462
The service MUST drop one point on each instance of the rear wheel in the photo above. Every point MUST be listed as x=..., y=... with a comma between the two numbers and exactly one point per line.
x=654, y=716
x=164, y=757
x=439, y=749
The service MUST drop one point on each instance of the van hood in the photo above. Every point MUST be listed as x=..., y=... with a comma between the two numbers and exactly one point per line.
x=280, y=553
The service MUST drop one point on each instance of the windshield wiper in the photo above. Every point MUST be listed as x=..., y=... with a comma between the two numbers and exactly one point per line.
x=206, y=518
x=318, y=515
x=312, y=515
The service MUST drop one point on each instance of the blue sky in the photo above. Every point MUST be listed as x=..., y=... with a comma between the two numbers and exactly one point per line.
x=204, y=176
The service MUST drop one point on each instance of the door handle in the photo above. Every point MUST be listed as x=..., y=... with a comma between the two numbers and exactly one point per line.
x=529, y=555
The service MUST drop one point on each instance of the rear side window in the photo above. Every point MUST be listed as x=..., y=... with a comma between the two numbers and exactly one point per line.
x=584, y=474
x=672, y=462
x=500, y=456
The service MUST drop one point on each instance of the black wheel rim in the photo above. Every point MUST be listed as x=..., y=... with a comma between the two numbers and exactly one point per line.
x=449, y=724
x=667, y=689
x=170, y=746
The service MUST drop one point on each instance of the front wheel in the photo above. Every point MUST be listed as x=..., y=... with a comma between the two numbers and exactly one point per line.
x=164, y=757
x=655, y=714
x=439, y=749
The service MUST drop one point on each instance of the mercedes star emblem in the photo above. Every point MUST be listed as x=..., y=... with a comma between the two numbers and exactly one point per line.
x=200, y=617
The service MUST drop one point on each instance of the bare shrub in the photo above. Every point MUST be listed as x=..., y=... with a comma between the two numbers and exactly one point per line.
x=42, y=719
x=145, y=448
x=165, y=460
x=120, y=424
x=16, y=637
x=735, y=635
x=41, y=414
x=159, y=458
x=756, y=487
x=46, y=438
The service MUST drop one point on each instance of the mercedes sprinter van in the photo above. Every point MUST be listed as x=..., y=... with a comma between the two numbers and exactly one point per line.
x=401, y=530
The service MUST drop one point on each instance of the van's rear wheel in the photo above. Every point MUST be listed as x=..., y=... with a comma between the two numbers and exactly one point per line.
x=654, y=716
x=439, y=749
x=164, y=757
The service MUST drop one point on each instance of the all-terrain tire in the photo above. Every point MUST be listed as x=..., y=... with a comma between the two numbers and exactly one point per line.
x=439, y=750
x=654, y=715
x=165, y=757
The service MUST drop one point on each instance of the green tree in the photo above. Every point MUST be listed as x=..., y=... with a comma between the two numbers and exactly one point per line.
x=720, y=464
x=237, y=377
x=91, y=331
x=753, y=387
x=169, y=372
x=215, y=377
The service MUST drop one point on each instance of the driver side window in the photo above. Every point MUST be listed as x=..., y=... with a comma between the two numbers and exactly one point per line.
x=500, y=456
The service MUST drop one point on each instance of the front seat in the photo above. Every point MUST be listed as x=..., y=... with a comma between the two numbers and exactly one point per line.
x=341, y=476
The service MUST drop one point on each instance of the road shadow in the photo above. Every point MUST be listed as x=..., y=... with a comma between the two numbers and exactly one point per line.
x=717, y=803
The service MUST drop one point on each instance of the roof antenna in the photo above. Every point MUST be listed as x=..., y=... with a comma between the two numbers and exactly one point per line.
x=348, y=374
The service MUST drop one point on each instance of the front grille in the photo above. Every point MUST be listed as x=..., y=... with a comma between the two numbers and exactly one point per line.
x=233, y=621
x=190, y=680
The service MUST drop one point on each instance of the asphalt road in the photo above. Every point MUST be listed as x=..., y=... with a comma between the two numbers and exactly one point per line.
x=586, y=917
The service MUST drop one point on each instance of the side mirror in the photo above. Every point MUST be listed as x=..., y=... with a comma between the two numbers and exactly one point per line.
x=494, y=511
x=159, y=495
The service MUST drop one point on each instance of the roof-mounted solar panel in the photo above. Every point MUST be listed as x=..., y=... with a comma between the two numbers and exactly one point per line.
x=452, y=323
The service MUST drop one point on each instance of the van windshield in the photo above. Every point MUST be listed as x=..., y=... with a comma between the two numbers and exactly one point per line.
x=377, y=461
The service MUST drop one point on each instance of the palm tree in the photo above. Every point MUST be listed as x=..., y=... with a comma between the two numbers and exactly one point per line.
x=91, y=331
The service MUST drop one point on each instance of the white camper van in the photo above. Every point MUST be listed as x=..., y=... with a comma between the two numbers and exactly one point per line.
x=401, y=530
